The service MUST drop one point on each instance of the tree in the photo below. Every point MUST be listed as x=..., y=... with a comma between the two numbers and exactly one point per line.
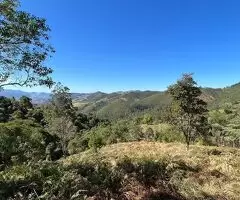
x=24, y=47
x=64, y=128
x=61, y=116
x=21, y=109
x=25, y=102
x=188, y=108
x=37, y=114
x=6, y=109
x=62, y=101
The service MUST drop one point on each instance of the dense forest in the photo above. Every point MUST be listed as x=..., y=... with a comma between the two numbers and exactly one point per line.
x=179, y=144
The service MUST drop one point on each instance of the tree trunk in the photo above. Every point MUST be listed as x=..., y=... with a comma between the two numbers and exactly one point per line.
x=64, y=149
x=187, y=139
x=187, y=144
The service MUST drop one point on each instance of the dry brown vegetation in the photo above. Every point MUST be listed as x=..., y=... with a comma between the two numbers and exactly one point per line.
x=201, y=173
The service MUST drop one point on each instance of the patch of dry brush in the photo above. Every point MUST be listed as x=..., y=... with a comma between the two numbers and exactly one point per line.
x=153, y=170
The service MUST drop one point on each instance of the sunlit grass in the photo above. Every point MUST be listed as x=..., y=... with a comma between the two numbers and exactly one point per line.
x=217, y=174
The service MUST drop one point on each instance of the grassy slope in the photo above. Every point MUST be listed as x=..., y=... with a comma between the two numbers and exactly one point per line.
x=200, y=173
x=117, y=105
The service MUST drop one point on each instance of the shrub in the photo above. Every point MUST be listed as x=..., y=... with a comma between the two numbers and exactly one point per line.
x=169, y=134
x=149, y=134
x=96, y=141
x=22, y=141
x=78, y=144
x=147, y=119
x=218, y=117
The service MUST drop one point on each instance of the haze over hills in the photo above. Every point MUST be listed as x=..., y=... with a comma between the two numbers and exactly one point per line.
x=122, y=104
x=37, y=97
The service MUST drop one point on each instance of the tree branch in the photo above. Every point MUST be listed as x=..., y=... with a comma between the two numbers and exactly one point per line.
x=18, y=83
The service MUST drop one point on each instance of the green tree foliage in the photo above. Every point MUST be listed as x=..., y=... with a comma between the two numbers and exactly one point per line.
x=225, y=123
x=62, y=101
x=189, y=109
x=64, y=128
x=86, y=122
x=61, y=115
x=22, y=108
x=13, y=109
x=23, y=141
x=6, y=109
x=218, y=117
x=25, y=102
x=37, y=115
x=147, y=119
x=24, y=47
x=105, y=134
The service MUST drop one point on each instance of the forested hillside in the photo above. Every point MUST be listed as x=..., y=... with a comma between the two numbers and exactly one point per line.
x=122, y=104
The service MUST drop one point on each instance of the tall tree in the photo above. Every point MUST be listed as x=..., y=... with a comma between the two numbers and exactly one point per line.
x=62, y=101
x=24, y=47
x=189, y=109
x=61, y=116
x=64, y=128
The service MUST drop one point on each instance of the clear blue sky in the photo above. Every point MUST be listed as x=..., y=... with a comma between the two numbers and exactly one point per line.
x=113, y=45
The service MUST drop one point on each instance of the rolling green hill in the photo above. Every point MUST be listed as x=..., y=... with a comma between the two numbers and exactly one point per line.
x=122, y=104
x=228, y=95
x=119, y=104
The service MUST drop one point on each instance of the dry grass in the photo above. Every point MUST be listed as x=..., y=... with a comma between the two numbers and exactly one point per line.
x=218, y=173
x=79, y=104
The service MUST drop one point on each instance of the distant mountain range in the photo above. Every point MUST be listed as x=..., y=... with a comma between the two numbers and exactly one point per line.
x=37, y=97
x=121, y=104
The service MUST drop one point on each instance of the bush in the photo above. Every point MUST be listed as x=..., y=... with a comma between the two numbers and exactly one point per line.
x=218, y=117
x=78, y=144
x=47, y=180
x=149, y=134
x=23, y=141
x=30, y=181
x=101, y=135
x=169, y=134
x=147, y=119
x=96, y=141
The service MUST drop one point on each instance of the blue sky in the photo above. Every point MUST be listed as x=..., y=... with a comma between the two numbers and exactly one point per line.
x=113, y=45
